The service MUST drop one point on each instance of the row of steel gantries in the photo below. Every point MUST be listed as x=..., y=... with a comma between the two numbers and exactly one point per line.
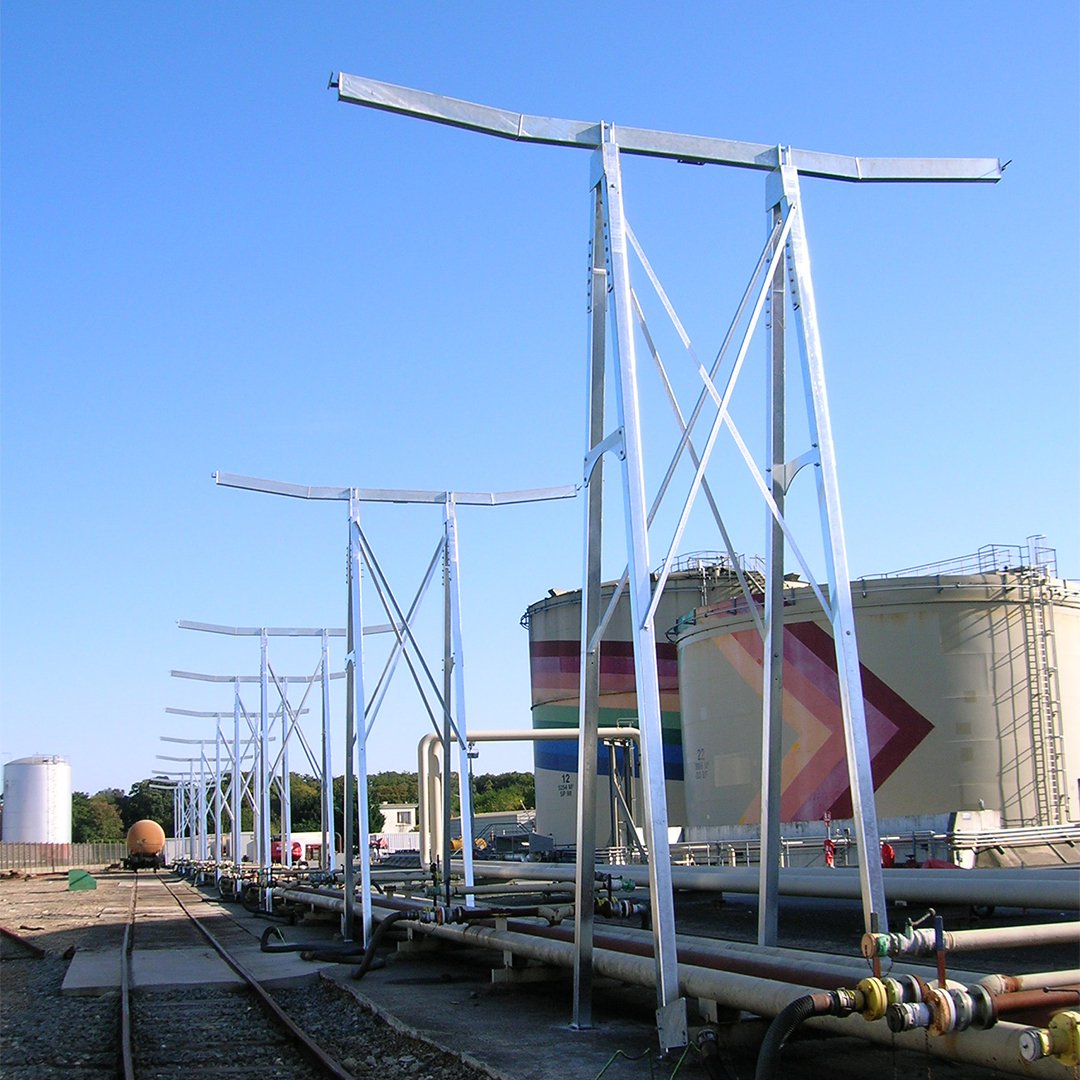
x=241, y=772
x=251, y=744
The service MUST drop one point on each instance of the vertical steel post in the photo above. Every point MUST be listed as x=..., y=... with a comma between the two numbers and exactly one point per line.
x=217, y=801
x=589, y=688
x=671, y=1011
x=448, y=686
x=464, y=786
x=190, y=810
x=237, y=787
x=355, y=737
x=353, y=577
x=327, y=767
x=286, y=793
x=263, y=794
x=853, y=708
x=772, y=676
x=203, y=853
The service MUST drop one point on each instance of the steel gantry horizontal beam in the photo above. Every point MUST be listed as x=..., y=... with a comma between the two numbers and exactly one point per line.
x=693, y=149
x=236, y=679
x=390, y=495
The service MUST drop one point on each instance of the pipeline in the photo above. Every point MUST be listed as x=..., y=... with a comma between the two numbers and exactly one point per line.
x=921, y=942
x=1052, y=889
x=822, y=972
x=852, y=968
x=1004, y=984
x=785, y=965
x=994, y=1048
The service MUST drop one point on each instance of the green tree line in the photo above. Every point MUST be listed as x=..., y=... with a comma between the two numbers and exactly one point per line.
x=108, y=814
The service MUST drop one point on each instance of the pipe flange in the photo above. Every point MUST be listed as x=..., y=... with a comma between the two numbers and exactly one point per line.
x=875, y=998
x=942, y=1012
x=964, y=1009
x=983, y=1014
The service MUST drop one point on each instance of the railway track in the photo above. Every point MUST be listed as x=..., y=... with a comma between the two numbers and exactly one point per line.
x=206, y=1030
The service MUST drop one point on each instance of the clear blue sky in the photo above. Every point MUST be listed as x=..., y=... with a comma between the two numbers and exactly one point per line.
x=210, y=263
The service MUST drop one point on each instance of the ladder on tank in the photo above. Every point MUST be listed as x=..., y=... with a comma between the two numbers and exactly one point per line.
x=1047, y=742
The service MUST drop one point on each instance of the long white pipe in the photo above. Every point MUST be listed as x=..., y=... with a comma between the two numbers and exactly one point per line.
x=1004, y=888
x=922, y=942
x=841, y=966
x=429, y=778
x=561, y=734
x=1004, y=984
x=855, y=966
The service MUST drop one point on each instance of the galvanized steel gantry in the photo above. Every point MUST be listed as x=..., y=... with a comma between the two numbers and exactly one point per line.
x=786, y=248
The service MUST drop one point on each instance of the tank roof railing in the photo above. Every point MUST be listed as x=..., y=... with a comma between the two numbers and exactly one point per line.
x=703, y=560
x=989, y=559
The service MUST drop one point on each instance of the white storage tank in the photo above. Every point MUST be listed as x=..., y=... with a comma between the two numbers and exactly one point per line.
x=972, y=690
x=37, y=800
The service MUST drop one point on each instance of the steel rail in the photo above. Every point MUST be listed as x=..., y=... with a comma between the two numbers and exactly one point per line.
x=307, y=1046
x=36, y=950
x=125, y=987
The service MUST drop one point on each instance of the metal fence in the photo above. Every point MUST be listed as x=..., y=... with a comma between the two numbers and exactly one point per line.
x=46, y=858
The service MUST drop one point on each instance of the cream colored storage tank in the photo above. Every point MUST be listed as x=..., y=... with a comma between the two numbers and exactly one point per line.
x=37, y=800
x=554, y=652
x=972, y=692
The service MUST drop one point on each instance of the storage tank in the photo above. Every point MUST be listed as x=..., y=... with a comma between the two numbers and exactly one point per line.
x=972, y=690
x=554, y=626
x=37, y=800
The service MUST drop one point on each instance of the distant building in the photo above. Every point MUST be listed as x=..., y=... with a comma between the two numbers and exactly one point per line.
x=398, y=817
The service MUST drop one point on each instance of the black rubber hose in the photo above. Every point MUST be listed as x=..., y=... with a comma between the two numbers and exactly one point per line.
x=787, y=1020
x=380, y=933
x=309, y=950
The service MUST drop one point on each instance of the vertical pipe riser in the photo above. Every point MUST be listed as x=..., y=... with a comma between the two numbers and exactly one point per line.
x=464, y=791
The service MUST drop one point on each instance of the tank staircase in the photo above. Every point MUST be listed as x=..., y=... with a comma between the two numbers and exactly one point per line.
x=1047, y=740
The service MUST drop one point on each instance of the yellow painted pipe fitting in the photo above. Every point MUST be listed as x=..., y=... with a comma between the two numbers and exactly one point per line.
x=875, y=998
x=1064, y=1030
x=1061, y=1039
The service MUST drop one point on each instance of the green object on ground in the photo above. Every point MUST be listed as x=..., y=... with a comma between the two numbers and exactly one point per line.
x=80, y=879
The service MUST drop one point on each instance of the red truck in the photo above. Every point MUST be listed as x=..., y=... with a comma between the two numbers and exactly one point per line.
x=275, y=850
